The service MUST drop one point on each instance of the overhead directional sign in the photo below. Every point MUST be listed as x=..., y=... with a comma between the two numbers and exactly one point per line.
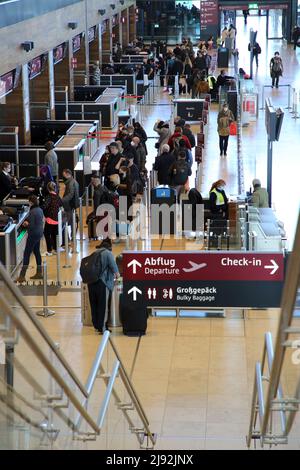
x=204, y=279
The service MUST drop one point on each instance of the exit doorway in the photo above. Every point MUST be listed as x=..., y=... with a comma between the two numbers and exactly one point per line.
x=276, y=20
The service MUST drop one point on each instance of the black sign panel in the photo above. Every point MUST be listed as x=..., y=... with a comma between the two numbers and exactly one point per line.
x=190, y=110
x=204, y=294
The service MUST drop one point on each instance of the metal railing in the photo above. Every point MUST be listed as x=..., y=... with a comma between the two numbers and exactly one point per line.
x=290, y=93
x=265, y=404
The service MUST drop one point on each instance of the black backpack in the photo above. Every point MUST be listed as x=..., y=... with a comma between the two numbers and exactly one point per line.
x=91, y=267
x=180, y=172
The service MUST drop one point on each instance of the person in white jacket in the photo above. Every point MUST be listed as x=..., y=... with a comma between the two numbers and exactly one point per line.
x=163, y=130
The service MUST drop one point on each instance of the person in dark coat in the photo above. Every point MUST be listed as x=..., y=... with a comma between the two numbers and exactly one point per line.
x=296, y=36
x=140, y=132
x=189, y=134
x=51, y=208
x=276, y=69
x=162, y=165
x=35, y=228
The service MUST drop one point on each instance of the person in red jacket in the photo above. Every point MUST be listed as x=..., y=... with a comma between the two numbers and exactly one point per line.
x=177, y=136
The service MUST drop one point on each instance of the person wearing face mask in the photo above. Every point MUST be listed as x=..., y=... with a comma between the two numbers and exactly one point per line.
x=7, y=182
x=218, y=199
x=225, y=118
x=35, y=229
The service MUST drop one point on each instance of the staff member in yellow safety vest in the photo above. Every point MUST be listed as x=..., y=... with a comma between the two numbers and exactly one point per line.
x=218, y=199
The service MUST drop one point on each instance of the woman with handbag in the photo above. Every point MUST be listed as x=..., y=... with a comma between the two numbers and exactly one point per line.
x=225, y=118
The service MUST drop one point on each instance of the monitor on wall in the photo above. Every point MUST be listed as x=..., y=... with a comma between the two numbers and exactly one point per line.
x=76, y=43
x=59, y=53
x=37, y=66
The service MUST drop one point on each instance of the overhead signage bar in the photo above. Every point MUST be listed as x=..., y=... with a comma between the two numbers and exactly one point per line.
x=204, y=279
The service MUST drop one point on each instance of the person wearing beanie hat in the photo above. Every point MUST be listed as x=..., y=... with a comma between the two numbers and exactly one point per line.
x=260, y=197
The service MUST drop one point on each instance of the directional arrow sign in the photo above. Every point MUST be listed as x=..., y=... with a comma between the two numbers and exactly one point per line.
x=135, y=291
x=134, y=263
x=274, y=267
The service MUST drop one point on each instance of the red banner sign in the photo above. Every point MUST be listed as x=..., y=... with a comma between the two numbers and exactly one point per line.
x=203, y=266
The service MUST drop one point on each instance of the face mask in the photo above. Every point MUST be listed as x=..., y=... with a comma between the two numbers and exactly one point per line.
x=221, y=188
x=133, y=144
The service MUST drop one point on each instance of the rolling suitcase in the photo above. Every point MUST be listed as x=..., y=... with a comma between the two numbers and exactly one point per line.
x=133, y=318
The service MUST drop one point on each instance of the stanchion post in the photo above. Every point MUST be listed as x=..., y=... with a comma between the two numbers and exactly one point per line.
x=80, y=220
x=46, y=312
x=59, y=230
x=67, y=255
x=87, y=201
x=74, y=239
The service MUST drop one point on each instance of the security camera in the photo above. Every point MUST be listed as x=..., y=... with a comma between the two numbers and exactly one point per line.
x=102, y=12
x=28, y=46
x=112, y=6
x=73, y=25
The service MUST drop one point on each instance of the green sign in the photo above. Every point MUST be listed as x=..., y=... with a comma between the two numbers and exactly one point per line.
x=253, y=6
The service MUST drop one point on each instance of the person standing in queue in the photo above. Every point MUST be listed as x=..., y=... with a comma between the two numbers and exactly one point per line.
x=51, y=160
x=260, y=197
x=35, y=228
x=70, y=198
x=225, y=118
x=51, y=208
x=99, y=292
x=218, y=199
x=276, y=69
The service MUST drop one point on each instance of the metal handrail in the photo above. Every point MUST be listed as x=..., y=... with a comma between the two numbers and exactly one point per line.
x=276, y=360
x=118, y=368
x=96, y=368
x=287, y=310
x=17, y=294
x=28, y=338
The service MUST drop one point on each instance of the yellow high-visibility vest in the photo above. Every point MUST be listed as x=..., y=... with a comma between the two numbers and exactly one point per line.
x=220, y=198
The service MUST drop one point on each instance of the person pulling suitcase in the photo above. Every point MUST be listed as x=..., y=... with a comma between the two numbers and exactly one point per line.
x=98, y=271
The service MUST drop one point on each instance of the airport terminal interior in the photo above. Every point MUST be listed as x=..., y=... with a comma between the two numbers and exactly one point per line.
x=189, y=337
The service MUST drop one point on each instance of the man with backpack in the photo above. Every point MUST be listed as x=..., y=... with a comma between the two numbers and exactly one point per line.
x=180, y=172
x=98, y=271
x=256, y=51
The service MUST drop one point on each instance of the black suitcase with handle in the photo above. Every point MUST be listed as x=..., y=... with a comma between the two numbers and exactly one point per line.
x=133, y=318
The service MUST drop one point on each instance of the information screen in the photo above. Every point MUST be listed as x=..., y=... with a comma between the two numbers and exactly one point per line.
x=163, y=192
x=35, y=67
